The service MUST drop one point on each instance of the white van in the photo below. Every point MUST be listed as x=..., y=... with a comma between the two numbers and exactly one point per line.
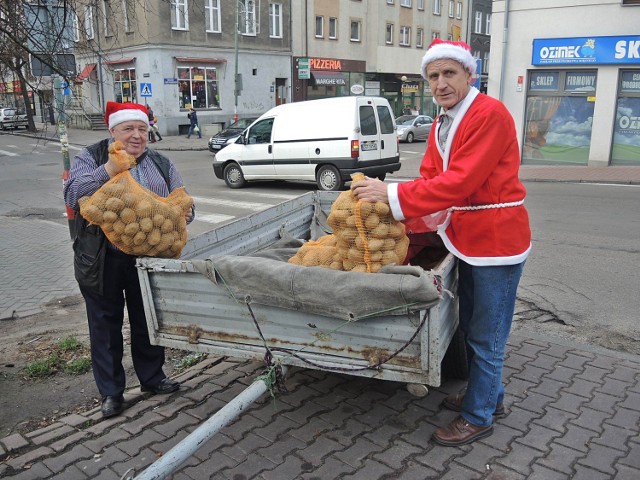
x=319, y=140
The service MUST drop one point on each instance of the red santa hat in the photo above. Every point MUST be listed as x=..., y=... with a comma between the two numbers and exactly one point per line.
x=123, y=112
x=445, y=49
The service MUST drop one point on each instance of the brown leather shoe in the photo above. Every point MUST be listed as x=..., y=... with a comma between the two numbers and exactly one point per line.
x=454, y=402
x=460, y=432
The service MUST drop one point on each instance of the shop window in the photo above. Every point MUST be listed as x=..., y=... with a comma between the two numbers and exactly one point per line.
x=626, y=131
x=124, y=85
x=559, y=117
x=198, y=87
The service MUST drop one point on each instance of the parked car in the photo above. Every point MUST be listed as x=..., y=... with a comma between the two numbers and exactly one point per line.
x=11, y=118
x=413, y=127
x=229, y=134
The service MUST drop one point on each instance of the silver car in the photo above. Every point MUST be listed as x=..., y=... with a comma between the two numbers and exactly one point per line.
x=413, y=127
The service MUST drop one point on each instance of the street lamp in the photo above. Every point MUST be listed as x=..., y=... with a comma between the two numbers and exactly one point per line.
x=403, y=78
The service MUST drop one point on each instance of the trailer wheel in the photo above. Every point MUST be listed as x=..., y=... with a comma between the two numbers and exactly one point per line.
x=454, y=364
x=329, y=179
x=233, y=176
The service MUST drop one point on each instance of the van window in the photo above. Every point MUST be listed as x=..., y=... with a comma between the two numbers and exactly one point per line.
x=261, y=132
x=367, y=121
x=386, y=120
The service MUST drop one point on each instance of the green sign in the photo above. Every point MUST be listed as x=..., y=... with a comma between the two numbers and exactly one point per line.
x=304, y=73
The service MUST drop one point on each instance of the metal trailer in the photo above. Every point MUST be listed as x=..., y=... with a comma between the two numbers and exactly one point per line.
x=185, y=310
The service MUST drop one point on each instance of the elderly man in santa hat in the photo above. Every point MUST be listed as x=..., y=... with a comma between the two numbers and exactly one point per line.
x=469, y=188
x=107, y=276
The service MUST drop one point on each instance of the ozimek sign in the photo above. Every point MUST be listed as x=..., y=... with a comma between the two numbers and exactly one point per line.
x=623, y=50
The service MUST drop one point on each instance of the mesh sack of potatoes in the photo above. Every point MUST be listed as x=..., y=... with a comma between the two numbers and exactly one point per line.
x=365, y=237
x=319, y=253
x=136, y=220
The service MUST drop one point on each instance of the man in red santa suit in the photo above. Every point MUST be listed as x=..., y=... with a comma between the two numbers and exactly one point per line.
x=469, y=187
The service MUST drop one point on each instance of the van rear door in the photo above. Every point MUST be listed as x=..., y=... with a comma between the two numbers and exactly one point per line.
x=388, y=139
x=369, y=132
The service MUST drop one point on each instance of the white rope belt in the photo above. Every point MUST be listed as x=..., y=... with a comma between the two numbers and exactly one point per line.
x=492, y=205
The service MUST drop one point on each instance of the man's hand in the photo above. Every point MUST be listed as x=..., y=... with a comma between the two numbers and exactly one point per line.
x=370, y=190
x=119, y=159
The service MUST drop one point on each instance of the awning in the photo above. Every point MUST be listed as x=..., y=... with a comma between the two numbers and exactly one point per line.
x=119, y=61
x=328, y=78
x=200, y=60
x=86, y=71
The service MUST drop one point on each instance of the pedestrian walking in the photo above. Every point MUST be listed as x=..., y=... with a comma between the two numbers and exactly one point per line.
x=107, y=277
x=194, y=127
x=153, y=129
x=469, y=179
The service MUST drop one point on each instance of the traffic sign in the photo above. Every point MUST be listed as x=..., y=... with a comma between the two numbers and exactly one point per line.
x=145, y=90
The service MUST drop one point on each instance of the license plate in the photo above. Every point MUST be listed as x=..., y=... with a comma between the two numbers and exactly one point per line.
x=216, y=147
x=369, y=145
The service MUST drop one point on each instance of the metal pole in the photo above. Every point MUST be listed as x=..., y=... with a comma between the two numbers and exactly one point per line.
x=180, y=453
x=235, y=77
x=58, y=92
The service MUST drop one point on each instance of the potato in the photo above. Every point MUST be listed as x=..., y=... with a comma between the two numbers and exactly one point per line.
x=167, y=226
x=158, y=220
x=128, y=215
x=132, y=229
x=153, y=238
x=146, y=225
x=114, y=204
x=375, y=244
x=366, y=208
x=129, y=199
x=143, y=209
x=139, y=238
x=372, y=221
x=389, y=257
x=109, y=216
x=113, y=189
x=126, y=240
x=166, y=240
x=92, y=214
x=352, y=222
x=118, y=227
x=381, y=208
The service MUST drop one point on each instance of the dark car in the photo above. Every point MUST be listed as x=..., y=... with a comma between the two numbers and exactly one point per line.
x=229, y=134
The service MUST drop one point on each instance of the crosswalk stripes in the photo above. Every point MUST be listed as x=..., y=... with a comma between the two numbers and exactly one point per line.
x=7, y=154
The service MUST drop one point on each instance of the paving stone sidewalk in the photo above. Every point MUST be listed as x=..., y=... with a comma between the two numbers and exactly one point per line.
x=573, y=413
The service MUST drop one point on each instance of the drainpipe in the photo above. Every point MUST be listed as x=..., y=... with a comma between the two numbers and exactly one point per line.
x=505, y=33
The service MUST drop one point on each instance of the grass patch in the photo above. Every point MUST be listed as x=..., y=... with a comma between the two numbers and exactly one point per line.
x=188, y=361
x=68, y=355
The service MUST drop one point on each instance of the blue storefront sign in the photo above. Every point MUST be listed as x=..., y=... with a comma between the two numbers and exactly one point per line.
x=621, y=50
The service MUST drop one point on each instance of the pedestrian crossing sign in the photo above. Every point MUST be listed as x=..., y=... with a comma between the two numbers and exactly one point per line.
x=145, y=90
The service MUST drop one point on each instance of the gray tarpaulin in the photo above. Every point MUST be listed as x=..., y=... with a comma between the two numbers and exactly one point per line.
x=268, y=279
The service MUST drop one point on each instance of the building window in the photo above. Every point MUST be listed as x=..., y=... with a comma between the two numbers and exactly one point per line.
x=435, y=35
x=212, y=15
x=419, y=37
x=405, y=3
x=478, y=26
x=319, y=26
x=436, y=7
x=485, y=63
x=389, y=2
x=420, y=4
x=630, y=2
x=248, y=17
x=106, y=15
x=75, y=26
x=355, y=30
x=405, y=36
x=179, y=15
x=88, y=22
x=459, y=10
x=451, y=8
x=333, y=28
x=124, y=85
x=198, y=87
x=275, y=20
x=488, y=24
x=389, y=34
x=125, y=16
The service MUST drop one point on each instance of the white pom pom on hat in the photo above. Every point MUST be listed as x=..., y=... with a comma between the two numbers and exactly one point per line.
x=123, y=112
x=446, y=49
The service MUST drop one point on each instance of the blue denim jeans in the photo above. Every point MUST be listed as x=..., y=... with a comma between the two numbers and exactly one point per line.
x=487, y=298
x=191, y=128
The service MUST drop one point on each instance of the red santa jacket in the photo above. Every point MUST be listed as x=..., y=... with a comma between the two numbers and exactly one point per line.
x=478, y=169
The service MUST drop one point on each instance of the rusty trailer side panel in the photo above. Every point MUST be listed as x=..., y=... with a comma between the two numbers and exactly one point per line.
x=186, y=310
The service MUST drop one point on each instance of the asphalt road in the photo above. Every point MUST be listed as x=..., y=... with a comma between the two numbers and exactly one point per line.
x=583, y=270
